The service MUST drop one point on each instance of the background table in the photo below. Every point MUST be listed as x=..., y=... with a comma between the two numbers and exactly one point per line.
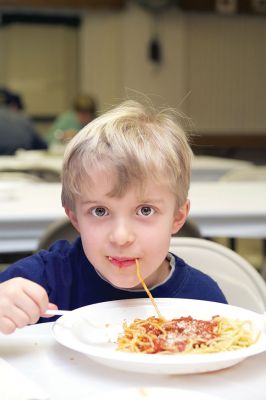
x=32, y=161
x=211, y=169
x=203, y=168
x=229, y=209
x=222, y=209
x=68, y=375
x=26, y=209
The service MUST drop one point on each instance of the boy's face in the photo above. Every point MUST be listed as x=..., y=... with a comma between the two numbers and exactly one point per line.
x=116, y=231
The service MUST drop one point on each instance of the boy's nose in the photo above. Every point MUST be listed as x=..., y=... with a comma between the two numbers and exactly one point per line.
x=122, y=235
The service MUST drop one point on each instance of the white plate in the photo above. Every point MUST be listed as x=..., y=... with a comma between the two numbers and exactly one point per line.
x=154, y=393
x=73, y=331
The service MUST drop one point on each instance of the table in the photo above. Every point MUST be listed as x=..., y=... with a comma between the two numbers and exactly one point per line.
x=211, y=169
x=25, y=160
x=203, y=168
x=221, y=209
x=66, y=375
x=26, y=210
x=229, y=209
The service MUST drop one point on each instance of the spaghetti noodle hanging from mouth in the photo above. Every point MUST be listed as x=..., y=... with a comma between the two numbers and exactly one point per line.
x=147, y=290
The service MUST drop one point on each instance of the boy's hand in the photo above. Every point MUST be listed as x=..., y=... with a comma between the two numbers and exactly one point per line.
x=22, y=302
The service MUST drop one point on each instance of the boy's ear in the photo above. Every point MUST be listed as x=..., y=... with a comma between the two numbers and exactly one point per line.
x=72, y=217
x=180, y=216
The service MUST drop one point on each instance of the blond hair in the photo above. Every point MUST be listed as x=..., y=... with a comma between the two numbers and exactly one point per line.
x=134, y=143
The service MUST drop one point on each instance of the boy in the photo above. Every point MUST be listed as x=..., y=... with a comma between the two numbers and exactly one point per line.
x=125, y=184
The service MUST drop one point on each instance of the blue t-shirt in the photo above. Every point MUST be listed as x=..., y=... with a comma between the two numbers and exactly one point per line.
x=71, y=281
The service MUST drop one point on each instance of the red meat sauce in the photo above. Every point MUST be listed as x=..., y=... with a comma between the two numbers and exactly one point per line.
x=174, y=335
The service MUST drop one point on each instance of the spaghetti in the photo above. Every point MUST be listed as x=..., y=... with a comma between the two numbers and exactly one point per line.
x=183, y=335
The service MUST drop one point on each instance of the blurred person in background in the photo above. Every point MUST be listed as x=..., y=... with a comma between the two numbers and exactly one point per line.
x=16, y=130
x=70, y=122
x=12, y=100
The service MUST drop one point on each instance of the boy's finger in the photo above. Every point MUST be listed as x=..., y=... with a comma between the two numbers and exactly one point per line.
x=21, y=318
x=7, y=326
x=38, y=294
x=29, y=307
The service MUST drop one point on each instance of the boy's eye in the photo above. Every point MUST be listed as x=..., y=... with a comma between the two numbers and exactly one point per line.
x=145, y=211
x=99, y=211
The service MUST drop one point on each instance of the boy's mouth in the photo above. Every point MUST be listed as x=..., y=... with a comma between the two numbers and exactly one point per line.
x=122, y=262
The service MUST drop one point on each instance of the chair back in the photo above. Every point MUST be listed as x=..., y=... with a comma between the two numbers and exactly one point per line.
x=241, y=284
x=60, y=229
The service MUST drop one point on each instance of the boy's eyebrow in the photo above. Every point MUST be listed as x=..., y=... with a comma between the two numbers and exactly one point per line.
x=144, y=200
x=152, y=200
x=90, y=201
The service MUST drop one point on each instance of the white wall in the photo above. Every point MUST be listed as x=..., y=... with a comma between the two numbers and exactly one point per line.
x=101, y=61
x=227, y=73
x=37, y=61
x=114, y=56
x=213, y=67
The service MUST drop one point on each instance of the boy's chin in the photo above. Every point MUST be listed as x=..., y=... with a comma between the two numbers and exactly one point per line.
x=135, y=285
x=121, y=283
